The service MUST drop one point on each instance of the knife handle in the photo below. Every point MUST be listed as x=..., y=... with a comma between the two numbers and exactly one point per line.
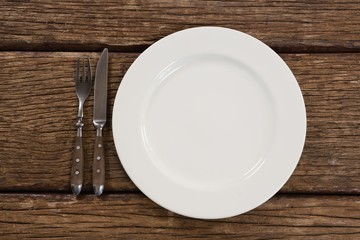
x=99, y=164
x=77, y=166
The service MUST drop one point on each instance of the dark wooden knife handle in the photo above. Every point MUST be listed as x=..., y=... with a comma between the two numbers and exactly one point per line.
x=76, y=181
x=99, y=166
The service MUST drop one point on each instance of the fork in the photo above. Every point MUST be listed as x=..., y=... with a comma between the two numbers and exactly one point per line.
x=83, y=89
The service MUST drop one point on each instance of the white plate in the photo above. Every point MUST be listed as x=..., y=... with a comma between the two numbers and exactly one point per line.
x=209, y=122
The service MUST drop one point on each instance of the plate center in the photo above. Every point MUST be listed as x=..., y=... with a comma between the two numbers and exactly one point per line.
x=208, y=123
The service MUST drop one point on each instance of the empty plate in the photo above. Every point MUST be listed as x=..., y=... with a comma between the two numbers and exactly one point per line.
x=209, y=122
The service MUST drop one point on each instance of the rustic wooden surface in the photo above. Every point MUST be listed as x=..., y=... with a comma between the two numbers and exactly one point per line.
x=40, y=41
x=39, y=109
x=133, y=216
x=288, y=25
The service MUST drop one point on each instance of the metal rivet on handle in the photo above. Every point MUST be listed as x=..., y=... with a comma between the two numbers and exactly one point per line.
x=98, y=170
x=98, y=158
x=77, y=172
x=77, y=147
x=77, y=160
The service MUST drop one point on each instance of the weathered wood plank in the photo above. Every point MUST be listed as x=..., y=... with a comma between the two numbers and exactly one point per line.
x=131, y=25
x=38, y=114
x=133, y=216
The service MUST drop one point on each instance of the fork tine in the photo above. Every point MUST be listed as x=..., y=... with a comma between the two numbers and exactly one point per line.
x=83, y=71
x=78, y=71
x=89, y=77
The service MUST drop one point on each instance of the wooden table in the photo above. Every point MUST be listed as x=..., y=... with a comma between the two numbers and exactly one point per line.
x=39, y=43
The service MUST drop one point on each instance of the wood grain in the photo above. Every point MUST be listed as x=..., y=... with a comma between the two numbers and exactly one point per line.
x=38, y=115
x=133, y=216
x=287, y=26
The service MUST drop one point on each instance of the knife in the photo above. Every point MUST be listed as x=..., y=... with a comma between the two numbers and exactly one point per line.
x=99, y=120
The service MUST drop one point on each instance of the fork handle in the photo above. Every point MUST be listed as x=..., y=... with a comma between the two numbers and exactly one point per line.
x=99, y=164
x=77, y=165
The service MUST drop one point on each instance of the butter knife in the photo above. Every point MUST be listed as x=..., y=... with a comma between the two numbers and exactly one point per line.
x=99, y=120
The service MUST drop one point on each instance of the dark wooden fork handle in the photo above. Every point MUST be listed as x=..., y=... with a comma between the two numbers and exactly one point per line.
x=77, y=166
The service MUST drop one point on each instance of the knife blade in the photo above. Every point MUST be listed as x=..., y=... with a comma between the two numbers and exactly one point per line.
x=99, y=120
